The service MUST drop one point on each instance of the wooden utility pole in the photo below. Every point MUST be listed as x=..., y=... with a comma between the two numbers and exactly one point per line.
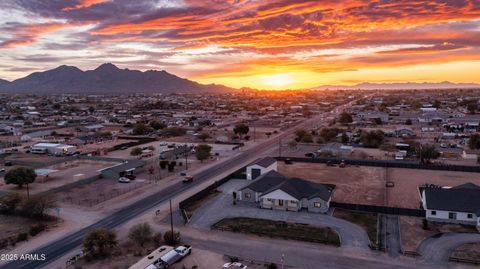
x=279, y=147
x=171, y=218
x=186, y=156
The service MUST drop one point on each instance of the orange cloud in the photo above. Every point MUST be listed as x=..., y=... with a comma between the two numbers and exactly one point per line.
x=26, y=34
x=85, y=4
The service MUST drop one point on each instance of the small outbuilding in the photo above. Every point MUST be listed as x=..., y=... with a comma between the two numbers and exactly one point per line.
x=260, y=167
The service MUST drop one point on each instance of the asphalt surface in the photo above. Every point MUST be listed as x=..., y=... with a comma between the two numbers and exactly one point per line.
x=58, y=248
x=221, y=207
x=392, y=235
x=438, y=248
x=299, y=254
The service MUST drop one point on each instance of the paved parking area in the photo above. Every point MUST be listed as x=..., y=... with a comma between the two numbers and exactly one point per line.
x=221, y=207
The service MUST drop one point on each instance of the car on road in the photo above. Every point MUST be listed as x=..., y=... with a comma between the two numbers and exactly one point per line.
x=2, y=170
x=124, y=180
x=163, y=143
x=187, y=179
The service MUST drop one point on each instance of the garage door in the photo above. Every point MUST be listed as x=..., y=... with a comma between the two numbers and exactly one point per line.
x=255, y=173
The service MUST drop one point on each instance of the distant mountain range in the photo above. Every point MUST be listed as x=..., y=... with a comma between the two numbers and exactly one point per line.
x=107, y=78
x=401, y=86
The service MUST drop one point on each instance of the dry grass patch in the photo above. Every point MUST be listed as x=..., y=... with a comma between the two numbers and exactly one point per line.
x=280, y=229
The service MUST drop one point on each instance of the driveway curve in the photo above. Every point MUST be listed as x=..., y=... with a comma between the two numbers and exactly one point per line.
x=438, y=248
x=351, y=235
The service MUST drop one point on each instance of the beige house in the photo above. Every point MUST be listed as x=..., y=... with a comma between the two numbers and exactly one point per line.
x=275, y=191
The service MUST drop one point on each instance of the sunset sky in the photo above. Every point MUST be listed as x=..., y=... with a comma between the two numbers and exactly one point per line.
x=261, y=44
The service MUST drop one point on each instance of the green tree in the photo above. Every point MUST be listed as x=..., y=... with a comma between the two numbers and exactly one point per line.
x=474, y=141
x=136, y=151
x=99, y=243
x=141, y=129
x=345, y=118
x=20, y=176
x=203, y=152
x=203, y=136
x=37, y=206
x=329, y=134
x=172, y=239
x=426, y=153
x=140, y=233
x=300, y=134
x=408, y=122
x=241, y=129
x=157, y=125
x=10, y=202
x=372, y=139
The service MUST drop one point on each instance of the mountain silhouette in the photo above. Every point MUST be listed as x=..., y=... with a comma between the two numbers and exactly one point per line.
x=107, y=78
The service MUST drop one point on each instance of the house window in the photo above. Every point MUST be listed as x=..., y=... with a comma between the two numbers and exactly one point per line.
x=452, y=215
x=434, y=213
x=470, y=215
x=248, y=195
x=317, y=204
x=280, y=202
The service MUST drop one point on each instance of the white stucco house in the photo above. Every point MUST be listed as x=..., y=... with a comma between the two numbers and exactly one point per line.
x=260, y=167
x=459, y=204
x=273, y=190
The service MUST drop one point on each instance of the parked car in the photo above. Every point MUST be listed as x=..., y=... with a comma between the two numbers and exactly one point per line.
x=187, y=179
x=163, y=143
x=173, y=256
x=234, y=265
x=2, y=170
x=8, y=163
x=124, y=180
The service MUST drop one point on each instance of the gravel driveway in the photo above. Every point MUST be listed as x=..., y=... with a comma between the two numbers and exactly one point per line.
x=438, y=248
x=221, y=207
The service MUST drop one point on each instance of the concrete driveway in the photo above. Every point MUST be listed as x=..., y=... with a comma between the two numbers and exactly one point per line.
x=438, y=248
x=221, y=207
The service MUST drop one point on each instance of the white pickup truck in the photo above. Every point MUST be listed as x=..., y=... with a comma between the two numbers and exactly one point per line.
x=171, y=257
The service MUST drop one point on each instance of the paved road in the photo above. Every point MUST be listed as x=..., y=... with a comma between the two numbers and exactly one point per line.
x=437, y=249
x=221, y=207
x=392, y=239
x=58, y=248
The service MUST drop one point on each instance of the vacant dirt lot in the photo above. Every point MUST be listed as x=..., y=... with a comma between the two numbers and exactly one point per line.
x=101, y=190
x=67, y=172
x=35, y=158
x=361, y=185
x=405, y=193
x=468, y=251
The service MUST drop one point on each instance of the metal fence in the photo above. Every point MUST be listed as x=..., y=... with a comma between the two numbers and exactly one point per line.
x=385, y=163
x=381, y=209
